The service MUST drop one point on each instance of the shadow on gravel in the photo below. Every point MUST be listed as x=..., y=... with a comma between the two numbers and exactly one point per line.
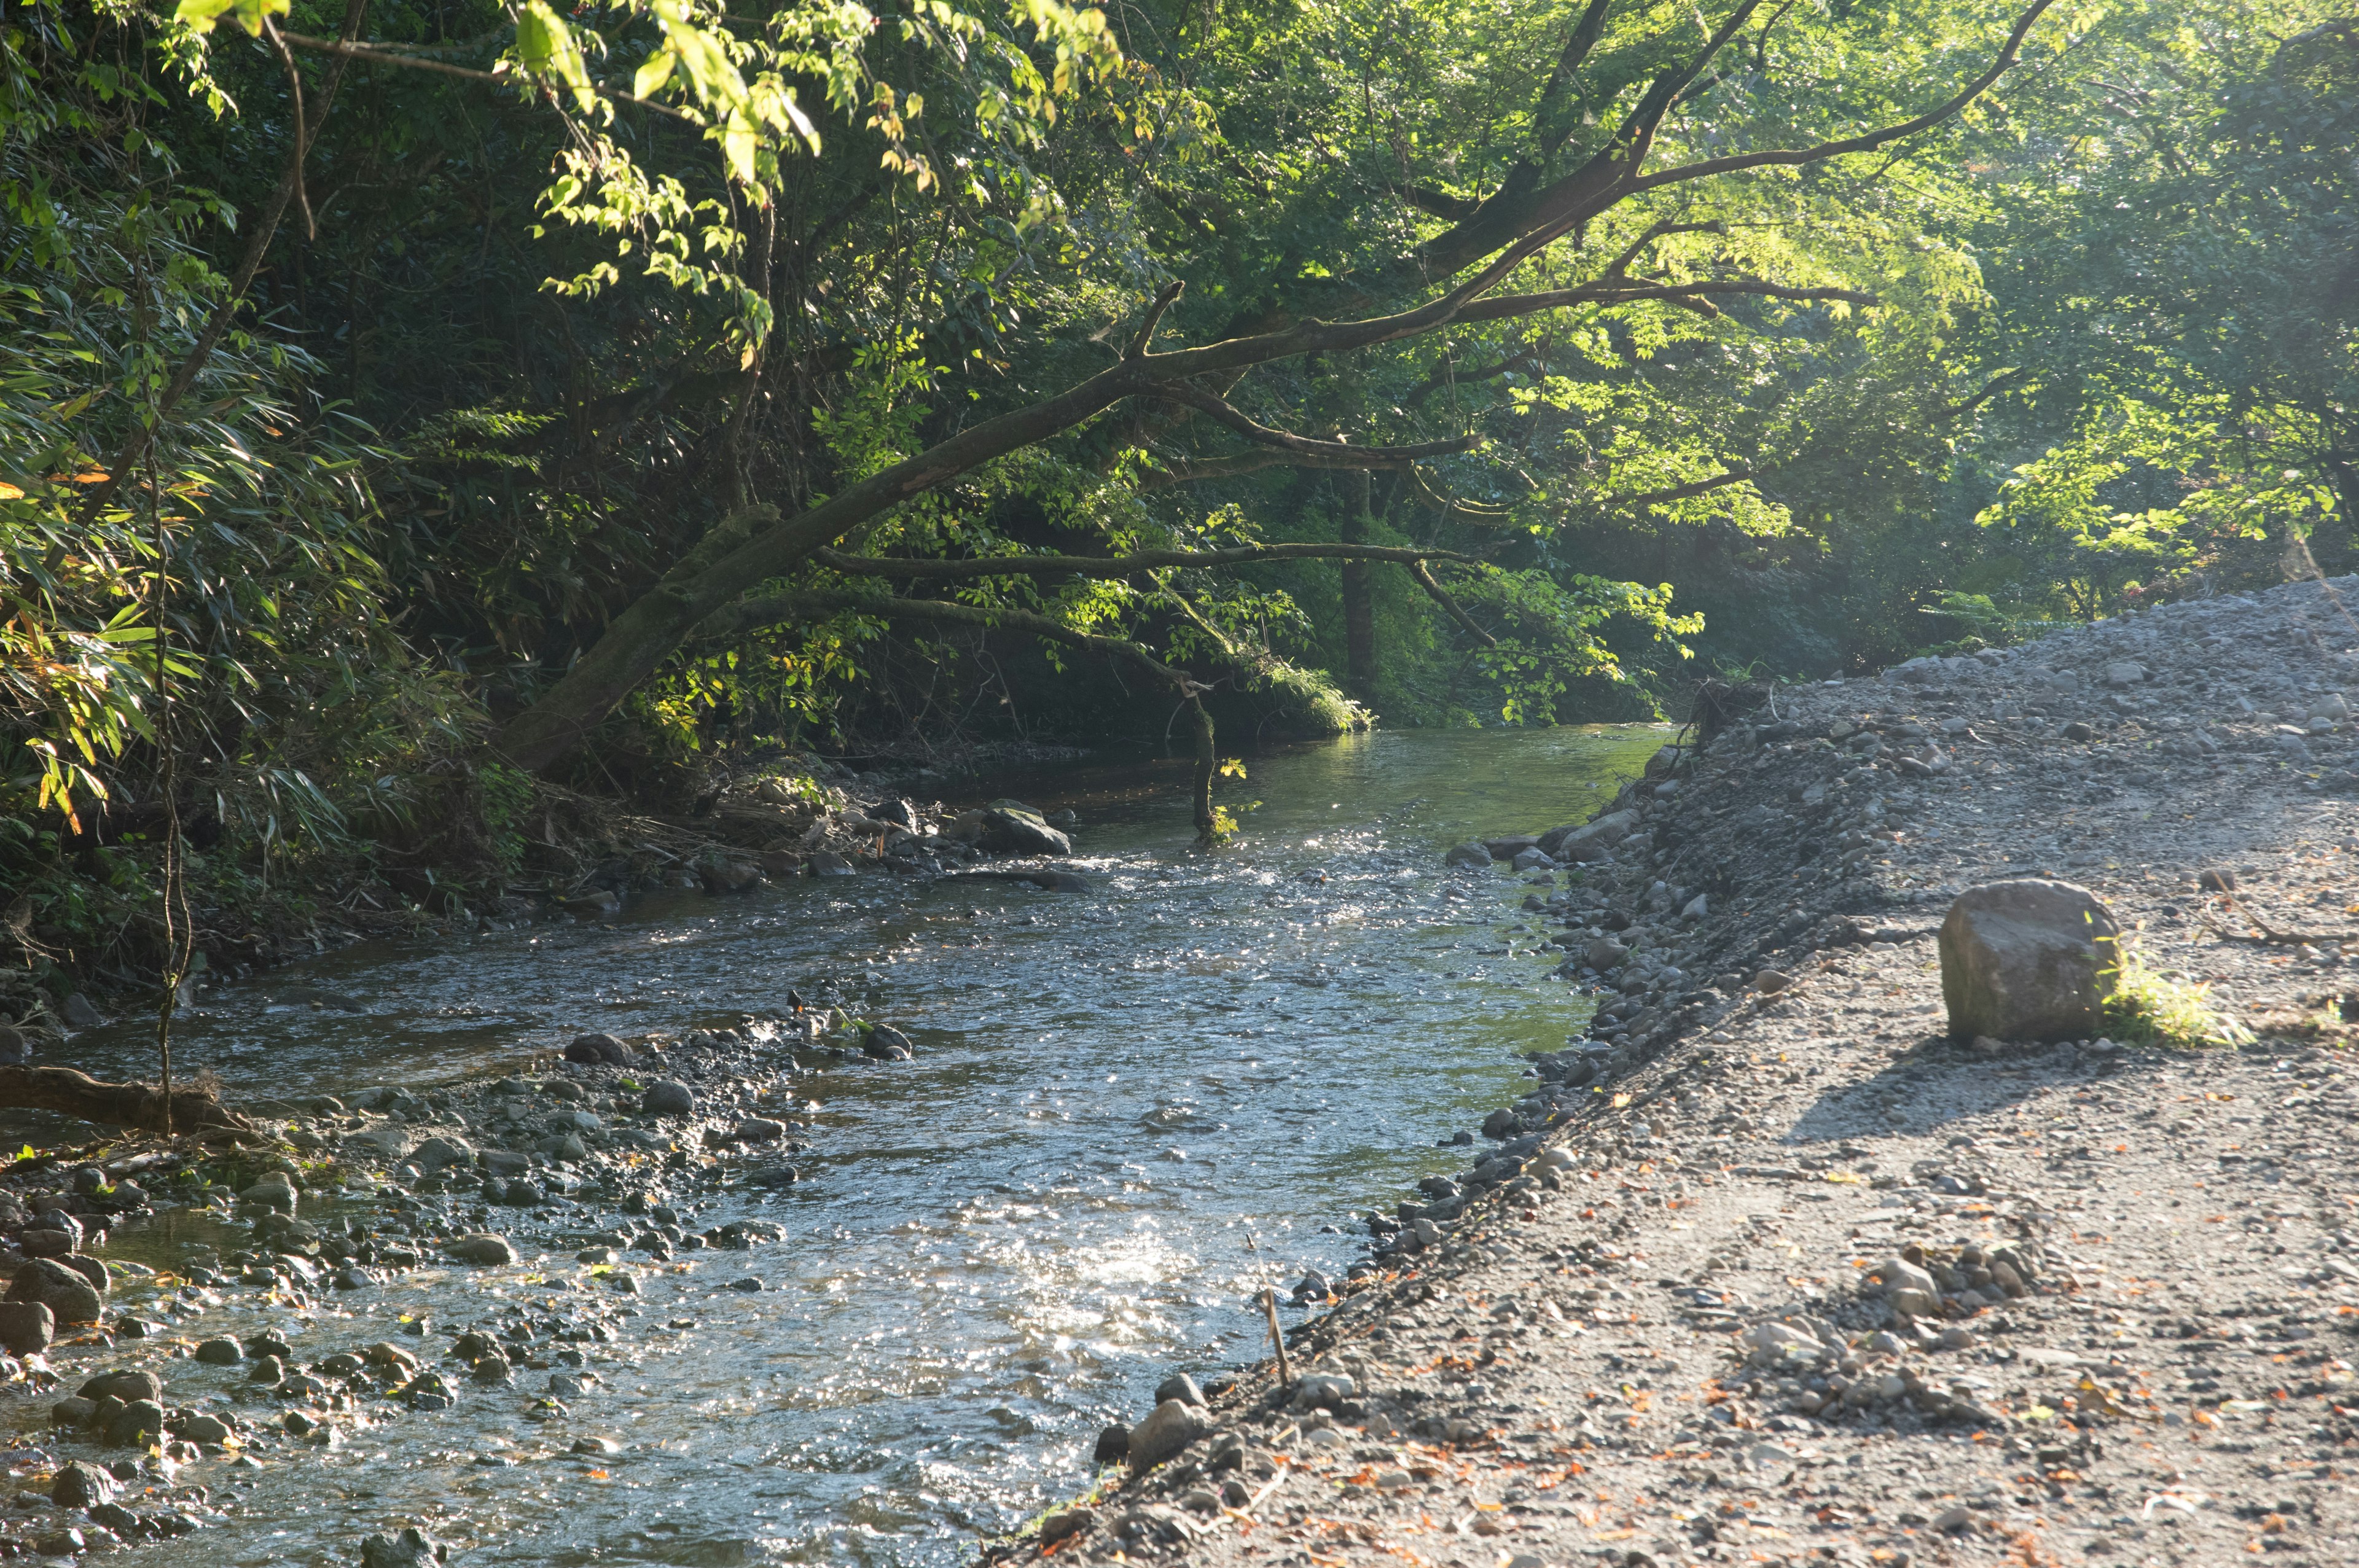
x=1937, y=1084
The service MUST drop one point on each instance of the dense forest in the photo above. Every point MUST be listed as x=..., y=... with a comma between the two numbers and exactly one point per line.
x=409, y=411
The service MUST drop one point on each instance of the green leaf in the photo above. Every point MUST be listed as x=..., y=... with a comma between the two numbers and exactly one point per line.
x=650, y=77
x=546, y=46
x=199, y=16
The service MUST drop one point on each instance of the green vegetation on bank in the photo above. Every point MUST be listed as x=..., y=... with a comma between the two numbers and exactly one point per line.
x=476, y=395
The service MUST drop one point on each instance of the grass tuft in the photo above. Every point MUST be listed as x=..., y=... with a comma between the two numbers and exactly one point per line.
x=2150, y=1008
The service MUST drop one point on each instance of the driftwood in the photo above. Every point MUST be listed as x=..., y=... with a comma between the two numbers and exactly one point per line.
x=78, y=1094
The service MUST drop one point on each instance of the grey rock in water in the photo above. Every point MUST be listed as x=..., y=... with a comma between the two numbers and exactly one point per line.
x=14, y=1047
x=1011, y=828
x=204, y=1428
x=82, y=1485
x=1472, y=856
x=79, y=1012
x=597, y=1051
x=827, y=863
x=484, y=1250
x=27, y=1328
x=886, y=1043
x=70, y=1297
x=124, y=1386
x=138, y=1425
x=1174, y=1425
x=2028, y=960
x=221, y=1353
x=413, y=1548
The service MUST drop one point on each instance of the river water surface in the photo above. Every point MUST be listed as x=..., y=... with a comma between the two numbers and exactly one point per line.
x=1129, y=1111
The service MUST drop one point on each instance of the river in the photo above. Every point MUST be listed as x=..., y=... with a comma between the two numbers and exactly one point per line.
x=1129, y=1110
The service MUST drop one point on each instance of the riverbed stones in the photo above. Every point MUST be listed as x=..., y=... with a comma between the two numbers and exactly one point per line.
x=666, y=1096
x=124, y=1386
x=412, y=1548
x=598, y=1051
x=1468, y=857
x=2028, y=960
x=27, y=1328
x=1066, y=1524
x=482, y=1249
x=441, y=1152
x=1181, y=1387
x=273, y=1190
x=70, y=1297
x=136, y=1425
x=82, y=1485
x=1174, y=1424
x=1010, y=828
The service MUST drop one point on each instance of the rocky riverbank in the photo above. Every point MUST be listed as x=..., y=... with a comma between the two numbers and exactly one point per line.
x=620, y=1182
x=1766, y=1268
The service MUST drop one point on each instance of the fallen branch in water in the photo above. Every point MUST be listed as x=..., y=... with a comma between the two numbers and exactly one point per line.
x=71, y=1093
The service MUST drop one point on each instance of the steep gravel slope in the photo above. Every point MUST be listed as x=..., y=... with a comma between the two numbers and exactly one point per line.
x=1651, y=1326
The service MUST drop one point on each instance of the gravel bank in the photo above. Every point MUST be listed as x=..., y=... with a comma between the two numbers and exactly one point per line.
x=1651, y=1326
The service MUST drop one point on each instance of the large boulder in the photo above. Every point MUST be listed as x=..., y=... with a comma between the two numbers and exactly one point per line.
x=2028, y=960
x=1011, y=828
x=1174, y=1425
x=66, y=1293
x=1592, y=836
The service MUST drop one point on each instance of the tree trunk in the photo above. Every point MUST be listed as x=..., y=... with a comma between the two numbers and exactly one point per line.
x=1359, y=591
x=1201, y=717
x=70, y=1093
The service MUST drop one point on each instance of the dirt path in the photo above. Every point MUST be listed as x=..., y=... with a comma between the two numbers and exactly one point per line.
x=1576, y=1368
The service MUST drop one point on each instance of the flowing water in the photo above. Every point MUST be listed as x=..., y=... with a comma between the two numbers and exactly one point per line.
x=1129, y=1111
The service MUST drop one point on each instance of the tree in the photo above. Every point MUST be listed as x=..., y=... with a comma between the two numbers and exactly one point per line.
x=1565, y=182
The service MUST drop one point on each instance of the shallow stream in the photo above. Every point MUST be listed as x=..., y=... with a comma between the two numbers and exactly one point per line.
x=1129, y=1109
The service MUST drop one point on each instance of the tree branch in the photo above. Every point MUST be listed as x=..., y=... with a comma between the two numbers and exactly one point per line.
x=143, y=432
x=1121, y=566
x=1301, y=449
x=1737, y=475
x=378, y=55
x=1418, y=570
x=1170, y=292
x=1859, y=144
x=814, y=604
